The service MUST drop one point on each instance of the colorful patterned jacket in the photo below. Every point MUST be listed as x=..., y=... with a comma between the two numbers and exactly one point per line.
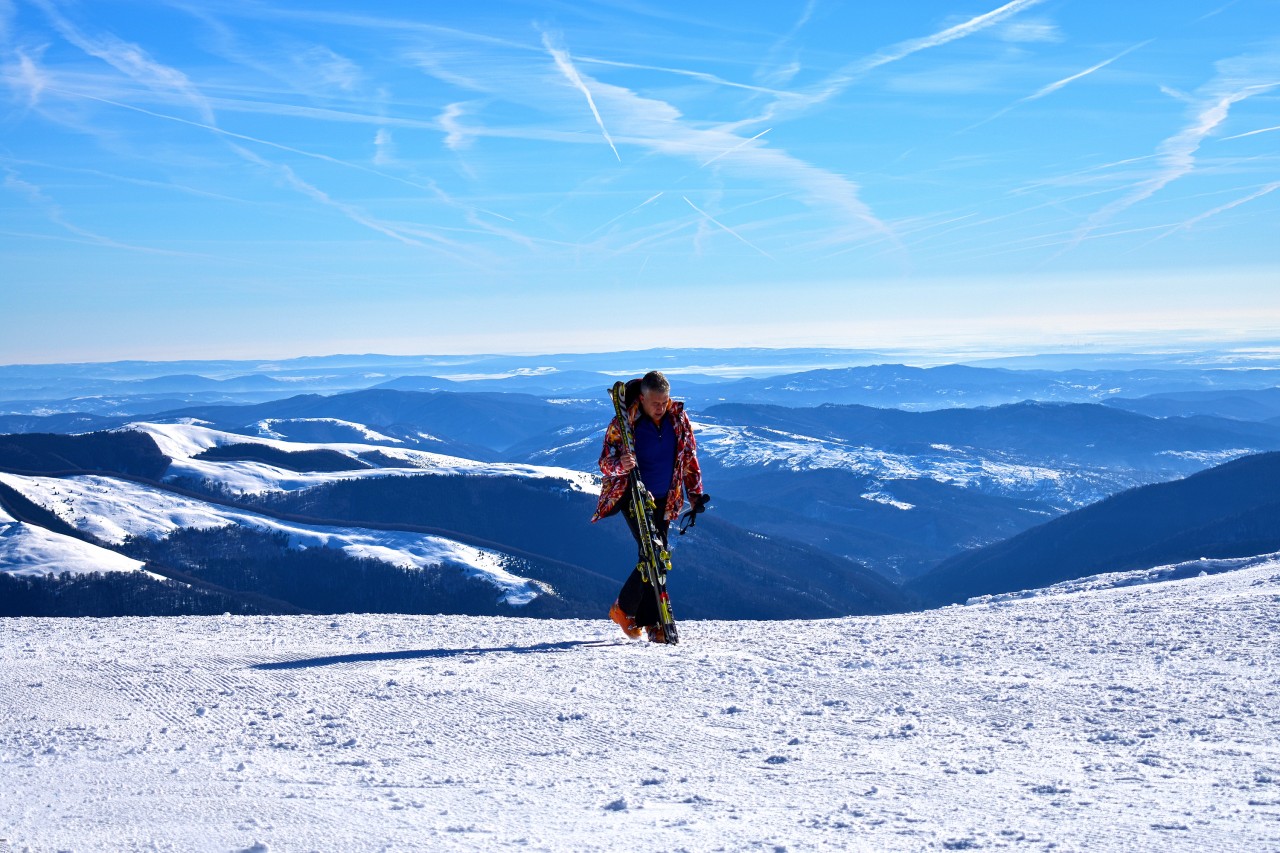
x=687, y=473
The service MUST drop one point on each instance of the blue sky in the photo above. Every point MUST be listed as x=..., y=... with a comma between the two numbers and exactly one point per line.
x=268, y=179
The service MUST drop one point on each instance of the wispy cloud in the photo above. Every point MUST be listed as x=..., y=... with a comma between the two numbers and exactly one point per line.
x=1058, y=84
x=659, y=127
x=566, y=67
x=1196, y=220
x=384, y=148
x=1237, y=81
x=781, y=64
x=456, y=136
x=837, y=83
x=7, y=14
x=129, y=59
x=328, y=69
x=685, y=72
x=212, y=128
x=125, y=179
x=26, y=79
x=352, y=212
x=726, y=228
x=648, y=201
x=54, y=213
x=1030, y=31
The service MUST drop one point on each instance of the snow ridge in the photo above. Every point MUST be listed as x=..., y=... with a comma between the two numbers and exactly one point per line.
x=112, y=510
x=180, y=442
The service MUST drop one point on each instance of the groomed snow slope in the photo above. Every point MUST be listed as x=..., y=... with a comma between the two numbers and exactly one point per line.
x=1133, y=718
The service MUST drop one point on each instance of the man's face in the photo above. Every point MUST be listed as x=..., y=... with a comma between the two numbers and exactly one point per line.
x=655, y=403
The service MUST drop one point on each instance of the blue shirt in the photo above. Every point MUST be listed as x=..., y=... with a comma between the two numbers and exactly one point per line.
x=656, y=453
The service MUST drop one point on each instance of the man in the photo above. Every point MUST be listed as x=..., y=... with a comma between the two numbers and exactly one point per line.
x=667, y=462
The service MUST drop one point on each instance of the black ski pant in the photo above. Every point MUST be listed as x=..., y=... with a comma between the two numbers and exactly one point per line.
x=636, y=598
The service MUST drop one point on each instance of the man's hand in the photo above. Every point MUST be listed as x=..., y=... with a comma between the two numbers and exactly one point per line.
x=626, y=462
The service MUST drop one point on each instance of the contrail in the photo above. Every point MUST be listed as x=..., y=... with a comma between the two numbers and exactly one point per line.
x=215, y=129
x=1053, y=87
x=1250, y=133
x=649, y=200
x=1056, y=85
x=727, y=228
x=901, y=50
x=566, y=67
x=1269, y=188
x=736, y=147
x=1176, y=155
x=697, y=75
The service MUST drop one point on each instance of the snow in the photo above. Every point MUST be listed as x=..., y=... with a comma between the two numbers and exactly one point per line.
x=1134, y=577
x=112, y=510
x=266, y=428
x=756, y=447
x=27, y=549
x=1132, y=718
x=888, y=500
x=252, y=478
x=1208, y=458
x=180, y=442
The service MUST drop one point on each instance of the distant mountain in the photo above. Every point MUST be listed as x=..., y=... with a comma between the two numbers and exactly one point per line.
x=1232, y=510
x=956, y=385
x=1076, y=434
x=359, y=511
x=484, y=423
x=1239, y=404
x=792, y=377
x=899, y=491
x=65, y=423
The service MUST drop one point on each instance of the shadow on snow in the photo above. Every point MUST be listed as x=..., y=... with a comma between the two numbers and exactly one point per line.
x=331, y=660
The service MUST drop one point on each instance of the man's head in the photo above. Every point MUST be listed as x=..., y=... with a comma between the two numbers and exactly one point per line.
x=655, y=394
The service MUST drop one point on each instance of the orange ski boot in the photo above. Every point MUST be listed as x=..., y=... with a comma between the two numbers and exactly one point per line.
x=625, y=622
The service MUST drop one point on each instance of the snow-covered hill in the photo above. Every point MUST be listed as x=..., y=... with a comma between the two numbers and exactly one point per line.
x=1132, y=718
x=27, y=549
x=111, y=510
x=182, y=442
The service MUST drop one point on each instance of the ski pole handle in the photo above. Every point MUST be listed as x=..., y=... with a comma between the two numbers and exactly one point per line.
x=690, y=518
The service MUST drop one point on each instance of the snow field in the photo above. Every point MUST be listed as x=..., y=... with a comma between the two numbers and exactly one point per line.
x=1131, y=718
x=112, y=510
x=27, y=549
x=182, y=441
x=759, y=447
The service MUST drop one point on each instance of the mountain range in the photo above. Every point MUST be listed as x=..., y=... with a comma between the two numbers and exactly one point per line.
x=790, y=377
x=151, y=492
x=817, y=510
x=1232, y=510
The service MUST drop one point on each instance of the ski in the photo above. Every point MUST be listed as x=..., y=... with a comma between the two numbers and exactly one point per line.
x=655, y=560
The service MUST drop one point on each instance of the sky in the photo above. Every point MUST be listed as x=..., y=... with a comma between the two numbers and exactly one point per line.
x=268, y=179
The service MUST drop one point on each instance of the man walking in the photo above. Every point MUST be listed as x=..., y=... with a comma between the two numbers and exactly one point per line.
x=666, y=461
